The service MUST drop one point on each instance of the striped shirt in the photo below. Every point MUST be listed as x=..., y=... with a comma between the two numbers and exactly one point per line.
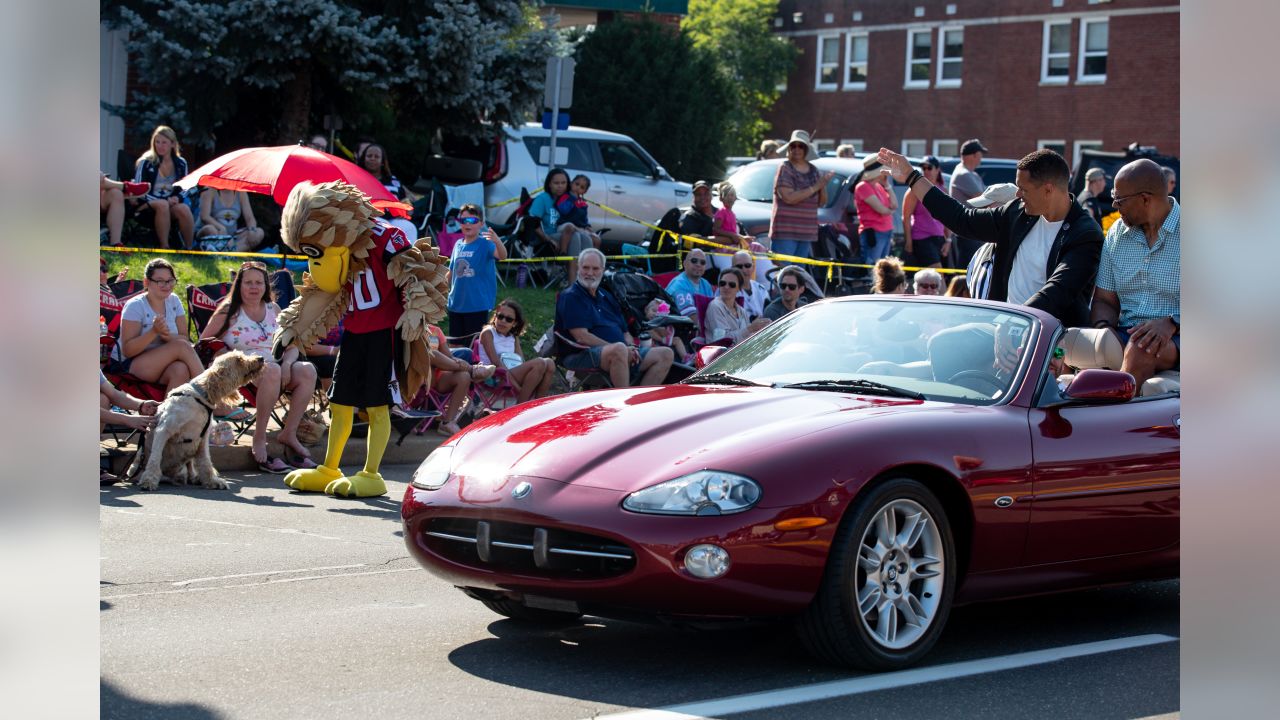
x=1148, y=279
x=797, y=222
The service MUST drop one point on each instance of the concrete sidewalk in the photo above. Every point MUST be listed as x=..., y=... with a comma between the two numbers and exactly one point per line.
x=239, y=457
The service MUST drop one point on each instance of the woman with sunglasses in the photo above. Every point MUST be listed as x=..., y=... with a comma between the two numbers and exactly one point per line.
x=246, y=321
x=153, y=343
x=500, y=346
x=725, y=318
x=473, y=273
x=926, y=239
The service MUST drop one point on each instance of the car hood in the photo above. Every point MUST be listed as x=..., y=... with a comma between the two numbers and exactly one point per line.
x=630, y=439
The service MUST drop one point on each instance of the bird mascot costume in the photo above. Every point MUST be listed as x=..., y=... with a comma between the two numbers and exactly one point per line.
x=364, y=272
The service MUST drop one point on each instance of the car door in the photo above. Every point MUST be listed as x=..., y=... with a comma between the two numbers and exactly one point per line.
x=633, y=189
x=1106, y=479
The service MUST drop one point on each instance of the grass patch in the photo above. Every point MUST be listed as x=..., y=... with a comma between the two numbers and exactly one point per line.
x=539, y=305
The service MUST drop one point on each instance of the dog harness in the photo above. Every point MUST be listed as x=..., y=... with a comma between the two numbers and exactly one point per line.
x=199, y=396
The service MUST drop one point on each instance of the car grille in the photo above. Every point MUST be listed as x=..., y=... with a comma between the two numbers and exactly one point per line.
x=528, y=549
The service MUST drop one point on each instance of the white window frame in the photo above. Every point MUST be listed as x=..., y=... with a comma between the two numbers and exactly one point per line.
x=855, y=142
x=942, y=59
x=1081, y=77
x=911, y=36
x=848, y=60
x=1045, y=78
x=1079, y=145
x=824, y=144
x=937, y=148
x=908, y=141
x=818, y=64
x=1042, y=144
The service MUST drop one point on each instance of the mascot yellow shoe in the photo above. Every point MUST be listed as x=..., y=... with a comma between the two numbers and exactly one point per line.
x=364, y=273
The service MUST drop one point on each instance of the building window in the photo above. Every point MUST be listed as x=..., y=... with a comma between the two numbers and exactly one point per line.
x=824, y=145
x=1058, y=146
x=950, y=56
x=829, y=18
x=856, y=143
x=828, y=62
x=855, y=69
x=1084, y=145
x=913, y=148
x=1093, y=51
x=919, y=49
x=946, y=148
x=1055, y=61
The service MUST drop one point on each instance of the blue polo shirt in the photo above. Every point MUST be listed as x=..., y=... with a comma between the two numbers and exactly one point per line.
x=1147, y=279
x=600, y=315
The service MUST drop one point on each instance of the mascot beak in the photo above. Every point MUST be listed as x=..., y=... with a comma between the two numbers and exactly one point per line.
x=329, y=270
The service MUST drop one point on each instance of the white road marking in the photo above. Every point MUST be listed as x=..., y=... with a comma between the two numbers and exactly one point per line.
x=256, y=584
x=872, y=683
x=231, y=524
x=181, y=583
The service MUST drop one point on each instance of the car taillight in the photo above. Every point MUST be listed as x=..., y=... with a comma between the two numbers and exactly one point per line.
x=498, y=169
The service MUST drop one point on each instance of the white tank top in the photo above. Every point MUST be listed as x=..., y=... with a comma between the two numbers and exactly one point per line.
x=502, y=344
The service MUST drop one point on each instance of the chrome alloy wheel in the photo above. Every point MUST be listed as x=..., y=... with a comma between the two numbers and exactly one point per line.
x=900, y=574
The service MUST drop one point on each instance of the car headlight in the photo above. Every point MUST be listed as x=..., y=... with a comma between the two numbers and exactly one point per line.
x=433, y=473
x=706, y=492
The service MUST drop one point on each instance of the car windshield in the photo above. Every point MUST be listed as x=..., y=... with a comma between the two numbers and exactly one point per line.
x=936, y=350
x=754, y=182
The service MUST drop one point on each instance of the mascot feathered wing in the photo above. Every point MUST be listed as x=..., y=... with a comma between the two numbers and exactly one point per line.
x=335, y=226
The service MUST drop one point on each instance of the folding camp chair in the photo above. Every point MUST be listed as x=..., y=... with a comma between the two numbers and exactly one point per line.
x=497, y=396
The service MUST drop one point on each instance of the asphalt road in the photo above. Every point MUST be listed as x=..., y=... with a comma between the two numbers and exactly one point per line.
x=264, y=603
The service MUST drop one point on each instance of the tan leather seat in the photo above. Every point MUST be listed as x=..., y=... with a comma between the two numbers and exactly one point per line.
x=1100, y=348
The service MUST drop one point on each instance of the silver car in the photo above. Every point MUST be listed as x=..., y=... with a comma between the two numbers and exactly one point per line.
x=624, y=176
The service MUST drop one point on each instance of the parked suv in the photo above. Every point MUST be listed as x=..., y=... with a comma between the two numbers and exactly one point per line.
x=624, y=176
x=992, y=170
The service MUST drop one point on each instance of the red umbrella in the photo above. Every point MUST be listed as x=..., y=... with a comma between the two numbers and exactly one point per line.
x=275, y=171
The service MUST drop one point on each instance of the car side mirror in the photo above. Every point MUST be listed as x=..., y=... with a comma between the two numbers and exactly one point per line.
x=1101, y=386
x=707, y=354
x=660, y=173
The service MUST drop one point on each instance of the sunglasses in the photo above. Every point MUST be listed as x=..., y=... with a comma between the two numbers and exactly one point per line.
x=927, y=286
x=927, y=167
x=724, y=283
x=788, y=286
x=744, y=266
x=253, y=265
x=504, y=318
x=170, y=281
x=469, y=220
x=696, y=261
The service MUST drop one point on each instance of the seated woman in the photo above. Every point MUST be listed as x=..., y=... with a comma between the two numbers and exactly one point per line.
x=890, y=279
x=151, y=347
x=108, y=396
x=453, y=375
x=246, y=320
x=500, y=346
x=162, y=165
x=220, y=214
x=725, y=318
x=111, y=197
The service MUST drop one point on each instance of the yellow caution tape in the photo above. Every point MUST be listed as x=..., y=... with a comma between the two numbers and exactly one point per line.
x=508, y=202
x=200, y=252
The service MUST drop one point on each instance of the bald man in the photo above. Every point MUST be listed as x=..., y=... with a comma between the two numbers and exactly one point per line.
x=1139, y=291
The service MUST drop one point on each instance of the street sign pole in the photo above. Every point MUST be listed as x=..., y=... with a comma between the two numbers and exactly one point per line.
x=555, y=112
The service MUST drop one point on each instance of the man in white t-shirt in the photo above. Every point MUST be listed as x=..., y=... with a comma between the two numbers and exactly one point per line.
x=1046, y=246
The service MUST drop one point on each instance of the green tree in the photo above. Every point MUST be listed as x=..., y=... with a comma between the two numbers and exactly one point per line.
x=750, y=56
x=650, y=82
x=230, y=73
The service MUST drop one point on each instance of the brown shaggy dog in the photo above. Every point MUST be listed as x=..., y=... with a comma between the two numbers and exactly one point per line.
x=178, y=446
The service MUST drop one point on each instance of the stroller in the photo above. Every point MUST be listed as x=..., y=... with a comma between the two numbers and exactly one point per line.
x=837, y=248
x=634, y=292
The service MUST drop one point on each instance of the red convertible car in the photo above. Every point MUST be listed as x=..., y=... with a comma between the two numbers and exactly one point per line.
x=858, y=468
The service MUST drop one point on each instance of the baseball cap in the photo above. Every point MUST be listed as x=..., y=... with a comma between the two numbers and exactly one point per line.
x=930, y=160
x=972, y=146
x=701, y=184
x=997, y=194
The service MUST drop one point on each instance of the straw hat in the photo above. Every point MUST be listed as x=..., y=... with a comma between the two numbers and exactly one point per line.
x=800, y=136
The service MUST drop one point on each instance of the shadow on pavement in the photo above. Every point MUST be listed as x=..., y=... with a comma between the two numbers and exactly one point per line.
x=603, y=657
x=115, y=705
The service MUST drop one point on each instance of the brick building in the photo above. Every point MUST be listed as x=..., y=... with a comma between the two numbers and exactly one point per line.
x=924, y=75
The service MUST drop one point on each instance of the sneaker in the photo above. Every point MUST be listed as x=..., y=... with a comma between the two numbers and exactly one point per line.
x=133, y=189
x=406, y=414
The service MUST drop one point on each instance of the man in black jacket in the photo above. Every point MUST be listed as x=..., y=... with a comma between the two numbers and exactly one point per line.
x=1047, y=246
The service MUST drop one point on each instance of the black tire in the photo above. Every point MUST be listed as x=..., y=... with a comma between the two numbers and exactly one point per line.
x=517, y=611
x=832, y=628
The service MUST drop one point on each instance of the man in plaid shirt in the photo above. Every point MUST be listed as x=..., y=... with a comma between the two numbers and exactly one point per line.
x=1138, y=291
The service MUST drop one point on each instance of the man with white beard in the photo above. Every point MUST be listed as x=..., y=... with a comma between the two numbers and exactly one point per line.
x=587, y=314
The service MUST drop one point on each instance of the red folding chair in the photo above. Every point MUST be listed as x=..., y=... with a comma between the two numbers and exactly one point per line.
x=499, y=395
